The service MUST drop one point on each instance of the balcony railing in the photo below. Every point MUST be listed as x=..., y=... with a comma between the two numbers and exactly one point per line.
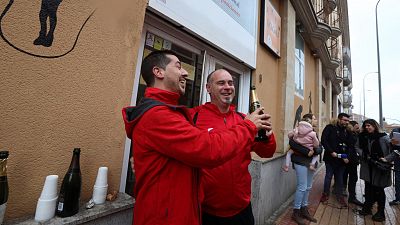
x=319, y=10
x=334, y=23
x=326, y=12
x=332, y=43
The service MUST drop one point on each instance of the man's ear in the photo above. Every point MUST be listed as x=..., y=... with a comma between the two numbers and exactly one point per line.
x=208, y=87
x=158, y=72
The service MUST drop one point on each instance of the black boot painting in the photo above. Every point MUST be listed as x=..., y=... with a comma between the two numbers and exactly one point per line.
x=48, y=9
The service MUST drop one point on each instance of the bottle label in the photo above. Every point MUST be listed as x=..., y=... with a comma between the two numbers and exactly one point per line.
x=60, y=206
x=2, y=211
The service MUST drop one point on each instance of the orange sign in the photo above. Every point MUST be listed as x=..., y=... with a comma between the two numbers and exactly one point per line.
x=270, y=27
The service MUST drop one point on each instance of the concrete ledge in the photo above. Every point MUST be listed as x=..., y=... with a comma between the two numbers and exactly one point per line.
x=276, y=156
x=116, y=212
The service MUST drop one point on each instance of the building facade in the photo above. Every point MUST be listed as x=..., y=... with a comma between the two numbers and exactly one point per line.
x=64, y=84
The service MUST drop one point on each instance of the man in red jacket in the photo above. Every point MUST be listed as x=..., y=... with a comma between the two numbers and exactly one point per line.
x=227, y=188
x=169, y=151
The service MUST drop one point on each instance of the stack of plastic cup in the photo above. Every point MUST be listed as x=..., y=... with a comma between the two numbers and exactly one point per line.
x=46, y=205
x=100, y=187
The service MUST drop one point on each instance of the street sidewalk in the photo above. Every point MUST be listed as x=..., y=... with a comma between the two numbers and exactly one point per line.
x=332, y=214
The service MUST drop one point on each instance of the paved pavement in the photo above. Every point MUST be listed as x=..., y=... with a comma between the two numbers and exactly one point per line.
x=332, y=214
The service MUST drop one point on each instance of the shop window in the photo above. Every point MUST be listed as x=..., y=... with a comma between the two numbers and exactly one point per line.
x=299, y=66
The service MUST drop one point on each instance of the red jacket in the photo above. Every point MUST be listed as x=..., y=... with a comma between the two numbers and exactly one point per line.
x=227, y=188
x=168, y=150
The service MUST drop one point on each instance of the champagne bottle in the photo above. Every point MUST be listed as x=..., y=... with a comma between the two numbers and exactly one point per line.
x=255, y=104
x=3, y=184
x=70, y=192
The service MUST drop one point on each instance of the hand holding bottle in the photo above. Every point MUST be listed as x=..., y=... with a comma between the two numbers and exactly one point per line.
x=260, y=120
x=262, y=134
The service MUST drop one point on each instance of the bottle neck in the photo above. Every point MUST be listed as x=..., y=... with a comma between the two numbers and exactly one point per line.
x=254, y=96
x=3, y=167
x=75, y=162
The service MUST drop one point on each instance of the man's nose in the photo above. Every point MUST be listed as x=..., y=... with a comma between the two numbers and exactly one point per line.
x=184, y=73
x=226, y=85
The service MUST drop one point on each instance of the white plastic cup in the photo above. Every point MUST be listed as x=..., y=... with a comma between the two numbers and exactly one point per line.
x=50, y=188
x=99, y=194
x=45, y=209
x=46, y=205
x=101, y=180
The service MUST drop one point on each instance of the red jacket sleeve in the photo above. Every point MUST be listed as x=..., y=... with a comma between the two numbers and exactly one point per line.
x=265, y=149
x=168, y=132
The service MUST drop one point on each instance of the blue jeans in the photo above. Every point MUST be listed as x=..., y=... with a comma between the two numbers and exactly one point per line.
x=338, y=171
x=304, y=182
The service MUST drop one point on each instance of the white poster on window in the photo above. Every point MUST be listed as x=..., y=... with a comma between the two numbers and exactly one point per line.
x=229, y=25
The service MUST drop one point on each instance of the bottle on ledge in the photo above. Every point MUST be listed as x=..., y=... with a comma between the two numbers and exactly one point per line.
x=3, y=184
x=255, y=104
x=70, y=192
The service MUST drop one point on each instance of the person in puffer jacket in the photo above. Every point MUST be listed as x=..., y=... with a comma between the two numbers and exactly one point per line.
x=227, y=188
x=305, y=135
x=169, y=151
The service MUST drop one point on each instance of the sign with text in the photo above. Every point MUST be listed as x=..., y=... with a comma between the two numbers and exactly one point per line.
x=270, y=27
x=228, y=25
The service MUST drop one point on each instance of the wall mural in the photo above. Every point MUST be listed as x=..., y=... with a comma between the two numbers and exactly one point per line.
x=297, y=116
x=48, y=9
x=299, y=111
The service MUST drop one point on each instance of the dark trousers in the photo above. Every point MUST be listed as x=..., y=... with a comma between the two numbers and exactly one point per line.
x=350, y=178
x=245, y=217
x=397, y=178
x=337, y=170
x=374, y=194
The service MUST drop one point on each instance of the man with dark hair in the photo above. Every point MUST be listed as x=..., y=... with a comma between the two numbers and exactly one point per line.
x=227, y=188
x=169, y=151
x=337, y=142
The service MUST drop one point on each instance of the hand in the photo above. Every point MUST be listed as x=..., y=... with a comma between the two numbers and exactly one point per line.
x=394, y=141
x=132, y=164
x=334, y=154
x=269, y=126
x=346, y=161
x=310, y=153
x=383, y=159
x=261, y=121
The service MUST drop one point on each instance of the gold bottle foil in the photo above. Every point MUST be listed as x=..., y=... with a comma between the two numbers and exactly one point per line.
x=3, y=167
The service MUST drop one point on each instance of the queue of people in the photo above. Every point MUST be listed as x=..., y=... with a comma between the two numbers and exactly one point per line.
x=191, y=165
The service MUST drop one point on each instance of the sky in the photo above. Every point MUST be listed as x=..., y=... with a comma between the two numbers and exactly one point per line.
x=364, y=57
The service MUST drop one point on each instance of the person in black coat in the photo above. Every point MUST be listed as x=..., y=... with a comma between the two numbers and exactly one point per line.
x=396, y=146
x=338, y=143
x=375, y=151
x=350, y=175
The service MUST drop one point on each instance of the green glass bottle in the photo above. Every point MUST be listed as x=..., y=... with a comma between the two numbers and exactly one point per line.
x=70, y=192
x=255, y=104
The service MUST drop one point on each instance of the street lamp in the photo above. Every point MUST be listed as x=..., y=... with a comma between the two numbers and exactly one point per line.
x=379, y=67
x=365, y=75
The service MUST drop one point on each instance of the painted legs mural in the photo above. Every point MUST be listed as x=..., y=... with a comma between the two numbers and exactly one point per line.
x=48, y=10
